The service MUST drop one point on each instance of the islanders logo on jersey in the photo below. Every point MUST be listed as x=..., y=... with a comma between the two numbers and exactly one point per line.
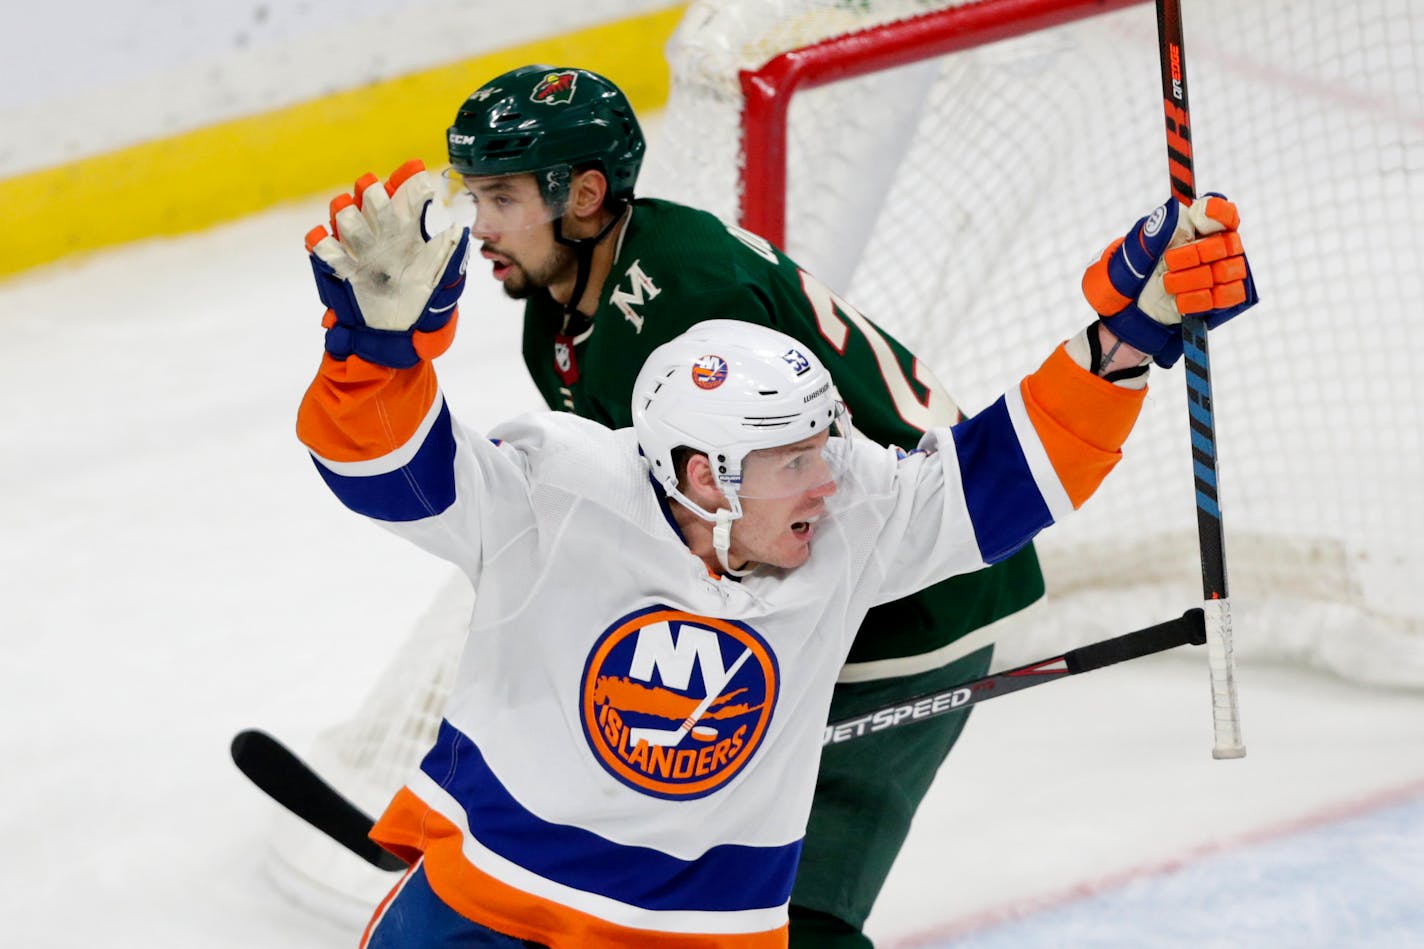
x=709, y=372
x=556, y=88
x=674, y=705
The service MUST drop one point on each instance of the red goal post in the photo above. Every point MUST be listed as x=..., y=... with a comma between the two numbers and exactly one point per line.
x=767, y=91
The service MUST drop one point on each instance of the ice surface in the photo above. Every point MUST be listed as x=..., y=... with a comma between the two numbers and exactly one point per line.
x=172, y=570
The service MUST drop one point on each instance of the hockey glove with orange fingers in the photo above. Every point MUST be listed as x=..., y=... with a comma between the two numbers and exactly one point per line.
x=1177, y=260
x=389, y=286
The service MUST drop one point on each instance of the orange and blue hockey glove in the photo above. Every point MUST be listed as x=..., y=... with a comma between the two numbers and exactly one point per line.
x=1175, y=261
x=390, y=287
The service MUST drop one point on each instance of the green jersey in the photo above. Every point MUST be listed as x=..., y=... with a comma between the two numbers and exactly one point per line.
x=676, y=266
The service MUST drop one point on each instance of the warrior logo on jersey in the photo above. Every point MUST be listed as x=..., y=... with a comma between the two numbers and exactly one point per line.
x=675, y=705
x=556, y=88
x=709, y=372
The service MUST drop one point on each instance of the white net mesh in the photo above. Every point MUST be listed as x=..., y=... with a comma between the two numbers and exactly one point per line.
x=957, y=200
x=369, y=757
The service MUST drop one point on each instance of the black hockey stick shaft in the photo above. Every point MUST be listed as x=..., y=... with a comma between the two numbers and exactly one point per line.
x=1188, y=629
x=1181, y=170
x=291, y=782
x=1201, y=418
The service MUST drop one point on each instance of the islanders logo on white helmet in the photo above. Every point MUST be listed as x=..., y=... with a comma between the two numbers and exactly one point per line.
x=727, y=388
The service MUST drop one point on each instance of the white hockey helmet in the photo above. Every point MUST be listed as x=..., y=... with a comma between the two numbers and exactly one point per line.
x=727, y=388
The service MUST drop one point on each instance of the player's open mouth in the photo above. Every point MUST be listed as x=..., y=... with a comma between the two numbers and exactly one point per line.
x=502, y=265
x=805, y=530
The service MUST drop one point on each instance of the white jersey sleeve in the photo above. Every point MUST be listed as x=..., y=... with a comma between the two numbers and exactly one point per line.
x=976, y=493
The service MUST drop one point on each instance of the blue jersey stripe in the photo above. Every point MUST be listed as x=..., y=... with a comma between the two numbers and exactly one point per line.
x=423, y=487
x=1005, y=504
x=727, y=878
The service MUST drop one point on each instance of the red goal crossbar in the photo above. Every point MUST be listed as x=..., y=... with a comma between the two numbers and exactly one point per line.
x=767, y=91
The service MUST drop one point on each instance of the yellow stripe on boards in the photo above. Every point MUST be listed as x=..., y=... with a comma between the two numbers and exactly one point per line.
x=222, y=172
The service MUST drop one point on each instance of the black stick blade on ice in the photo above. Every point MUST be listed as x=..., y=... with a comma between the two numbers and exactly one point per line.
x=290, y=782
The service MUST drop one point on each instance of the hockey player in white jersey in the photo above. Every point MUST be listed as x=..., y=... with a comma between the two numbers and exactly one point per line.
x=630, y=748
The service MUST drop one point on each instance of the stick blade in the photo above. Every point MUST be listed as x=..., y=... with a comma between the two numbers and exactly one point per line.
x=289, y=781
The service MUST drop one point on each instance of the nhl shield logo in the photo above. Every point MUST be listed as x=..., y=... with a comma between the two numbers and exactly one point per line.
x=565, y=359
x=674, y=705
x=556, y=88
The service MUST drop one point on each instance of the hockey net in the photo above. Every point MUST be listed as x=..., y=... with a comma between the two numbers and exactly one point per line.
x=951, y=168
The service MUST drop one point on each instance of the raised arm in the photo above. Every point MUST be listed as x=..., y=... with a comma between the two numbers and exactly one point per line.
x=374, y=418
x=1042, y=449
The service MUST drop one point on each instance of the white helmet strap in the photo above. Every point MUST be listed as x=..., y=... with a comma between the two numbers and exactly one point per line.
x=722, y=541
x=722, y=524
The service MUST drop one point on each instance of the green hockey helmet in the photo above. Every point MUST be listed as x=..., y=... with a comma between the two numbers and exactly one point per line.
x=548, y=120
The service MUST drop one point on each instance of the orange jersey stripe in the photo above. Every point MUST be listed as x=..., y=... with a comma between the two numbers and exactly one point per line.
x=1081, y=420
x=409, y=827
x=355, y=410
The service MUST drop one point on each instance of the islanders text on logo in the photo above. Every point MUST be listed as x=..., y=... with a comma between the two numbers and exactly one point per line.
x=674, y=705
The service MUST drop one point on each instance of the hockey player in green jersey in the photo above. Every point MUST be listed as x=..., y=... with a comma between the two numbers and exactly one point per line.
x=548, y=159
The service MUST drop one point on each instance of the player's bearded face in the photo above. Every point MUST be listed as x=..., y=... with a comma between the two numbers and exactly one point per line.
x=525, y=271
x=513, y=224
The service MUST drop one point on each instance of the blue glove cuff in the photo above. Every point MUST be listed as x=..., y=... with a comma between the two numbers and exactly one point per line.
x=1141, y=331
x=390, y=348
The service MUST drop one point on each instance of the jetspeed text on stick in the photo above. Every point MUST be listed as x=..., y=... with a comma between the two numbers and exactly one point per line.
x=885, y=718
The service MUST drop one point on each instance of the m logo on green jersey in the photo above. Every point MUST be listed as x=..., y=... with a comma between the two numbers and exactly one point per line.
x=642, y=290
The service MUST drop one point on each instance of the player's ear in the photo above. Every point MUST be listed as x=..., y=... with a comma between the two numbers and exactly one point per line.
x=699, y=483
x=587, y=192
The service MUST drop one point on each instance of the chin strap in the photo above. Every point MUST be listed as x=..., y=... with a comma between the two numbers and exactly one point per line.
x=721, y=526
x=722, y=542
x=583, y=257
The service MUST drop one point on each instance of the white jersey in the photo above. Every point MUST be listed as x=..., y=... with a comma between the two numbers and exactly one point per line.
x=631, y=744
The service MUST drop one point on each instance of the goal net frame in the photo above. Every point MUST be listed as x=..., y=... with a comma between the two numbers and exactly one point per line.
x=768, y=90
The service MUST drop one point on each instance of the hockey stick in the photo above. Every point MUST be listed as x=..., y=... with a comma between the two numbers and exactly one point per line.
x=291, y=782
x=667, y=737
x=1187, y=629
x=1226, y=715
